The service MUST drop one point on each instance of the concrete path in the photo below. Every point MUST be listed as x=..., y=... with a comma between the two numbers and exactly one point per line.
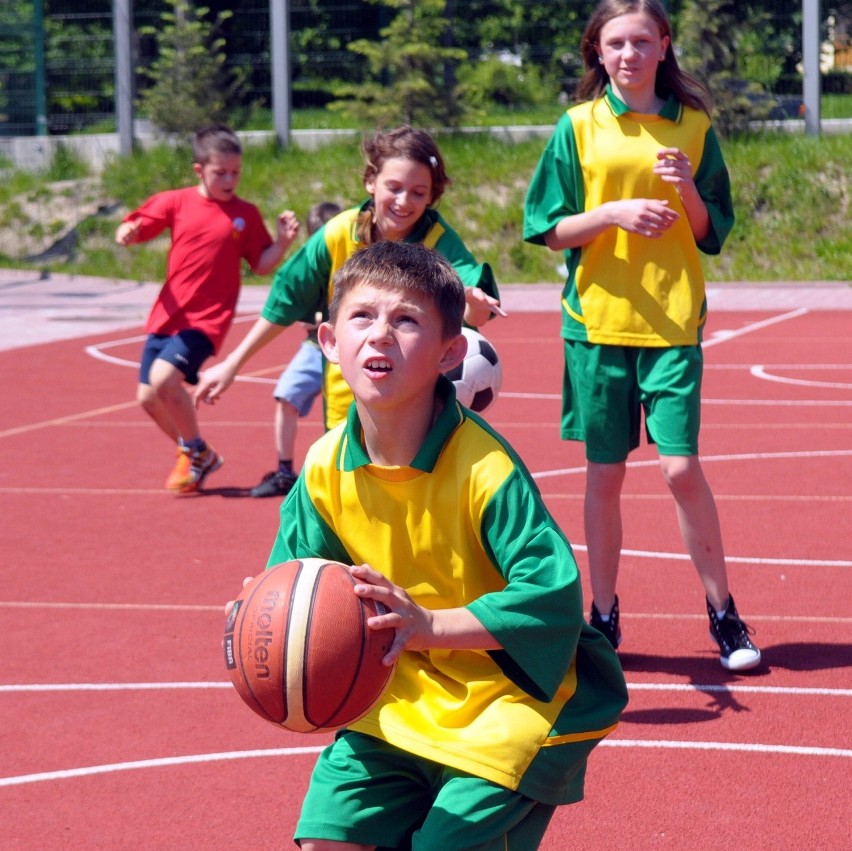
x=38, y=309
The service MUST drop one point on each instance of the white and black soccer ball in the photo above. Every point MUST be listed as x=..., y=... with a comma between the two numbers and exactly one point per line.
x=478, y=377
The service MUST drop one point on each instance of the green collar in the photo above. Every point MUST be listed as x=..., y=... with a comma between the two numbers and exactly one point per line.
x=354, y=454
x=672, y=108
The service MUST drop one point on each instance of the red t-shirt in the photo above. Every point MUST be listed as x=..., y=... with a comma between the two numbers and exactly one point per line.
x=209, y=240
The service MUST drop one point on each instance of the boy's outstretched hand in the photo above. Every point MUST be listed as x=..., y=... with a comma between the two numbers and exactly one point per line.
x=288, y=227
x=128, y=232
x=418, y=628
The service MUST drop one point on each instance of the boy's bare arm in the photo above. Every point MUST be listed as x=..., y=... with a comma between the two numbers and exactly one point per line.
x=213, y=382
x=418, y=628
x=287, y=226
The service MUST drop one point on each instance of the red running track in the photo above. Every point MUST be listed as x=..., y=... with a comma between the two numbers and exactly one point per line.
x=119, y=729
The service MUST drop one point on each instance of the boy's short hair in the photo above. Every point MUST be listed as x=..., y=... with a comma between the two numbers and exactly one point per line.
x=410, y=266
x=320, y=213
x=215, y=139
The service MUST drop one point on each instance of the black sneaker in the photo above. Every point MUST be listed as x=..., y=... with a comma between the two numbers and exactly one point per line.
x=276, y=483
x=736, y=650
x=609, y=628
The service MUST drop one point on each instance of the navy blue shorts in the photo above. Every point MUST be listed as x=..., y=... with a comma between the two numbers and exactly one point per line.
x=186, y=350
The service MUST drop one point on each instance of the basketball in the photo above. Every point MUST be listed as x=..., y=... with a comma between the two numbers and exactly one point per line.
x=479, y=376
x=298, y=649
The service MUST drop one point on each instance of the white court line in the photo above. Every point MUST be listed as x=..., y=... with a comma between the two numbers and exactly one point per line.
x=791, y=750
x=28, y=688
x=142, y=607
x=723, y=336
x=68, y=419
x=745, y=456
x=97, y=352
x=88, y=771
x=769, y=403
x=782, y=403
x=155, y=763
x=760, y=371
x=802, y=367
x=777, y=562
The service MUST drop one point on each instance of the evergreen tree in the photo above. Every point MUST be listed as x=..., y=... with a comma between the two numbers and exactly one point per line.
x=708, y=38
x=190, y=87
x=410, y=68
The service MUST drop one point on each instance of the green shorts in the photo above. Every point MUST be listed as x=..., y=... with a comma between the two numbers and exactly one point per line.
x=368, y=792
x=606, y=389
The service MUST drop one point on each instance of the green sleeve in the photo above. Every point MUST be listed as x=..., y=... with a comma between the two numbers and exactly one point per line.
x=302, y=533
x=556, y=189
x=541, y=606
x=714, y=187
x=300, y=285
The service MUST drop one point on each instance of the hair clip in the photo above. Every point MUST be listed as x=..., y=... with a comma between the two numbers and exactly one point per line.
x=433, y=161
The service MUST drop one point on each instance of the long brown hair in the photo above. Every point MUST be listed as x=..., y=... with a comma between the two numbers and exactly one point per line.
x=671, y=78
x=402, y=143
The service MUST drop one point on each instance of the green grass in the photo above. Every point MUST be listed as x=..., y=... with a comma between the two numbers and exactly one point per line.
x=791, y=194
x=836, y=106
x=831, y=106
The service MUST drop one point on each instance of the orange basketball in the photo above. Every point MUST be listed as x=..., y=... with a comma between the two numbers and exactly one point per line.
x=299, y=651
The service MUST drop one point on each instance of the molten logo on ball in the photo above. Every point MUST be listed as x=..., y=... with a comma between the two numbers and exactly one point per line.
x=263, y=634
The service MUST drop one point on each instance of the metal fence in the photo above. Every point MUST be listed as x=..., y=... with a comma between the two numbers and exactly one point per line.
x=57, y=59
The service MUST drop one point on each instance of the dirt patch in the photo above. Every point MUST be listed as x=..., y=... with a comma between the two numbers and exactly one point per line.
x=43, y=223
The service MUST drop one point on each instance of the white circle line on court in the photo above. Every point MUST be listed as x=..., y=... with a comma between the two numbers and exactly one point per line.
x=787, y=367
x=88, y=771
x=97, y=351
x=760, y=371
x=791, y=750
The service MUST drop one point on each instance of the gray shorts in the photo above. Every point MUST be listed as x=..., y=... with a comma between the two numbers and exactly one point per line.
x=301, y=381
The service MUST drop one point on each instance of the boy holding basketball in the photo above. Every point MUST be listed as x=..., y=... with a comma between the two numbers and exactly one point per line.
x=480, y=734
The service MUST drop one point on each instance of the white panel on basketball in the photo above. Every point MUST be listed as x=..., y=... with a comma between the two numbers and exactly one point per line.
x=297, y=633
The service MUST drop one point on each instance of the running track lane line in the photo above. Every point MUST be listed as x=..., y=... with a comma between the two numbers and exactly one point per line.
x=95, y=412
x=95, y=352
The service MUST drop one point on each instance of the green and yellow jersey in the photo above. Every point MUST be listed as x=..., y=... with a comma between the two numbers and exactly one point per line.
x=304, y=283
x=465, y=525
x=623, y=288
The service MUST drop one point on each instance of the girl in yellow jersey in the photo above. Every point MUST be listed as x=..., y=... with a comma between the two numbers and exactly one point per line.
x=405, y=177
x=500, y=690
x=631, y=185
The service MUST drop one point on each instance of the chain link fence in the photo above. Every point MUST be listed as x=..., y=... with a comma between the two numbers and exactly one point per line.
x=57, y=61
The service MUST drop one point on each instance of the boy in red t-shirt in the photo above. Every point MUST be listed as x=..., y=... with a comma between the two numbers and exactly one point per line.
x=212, y=231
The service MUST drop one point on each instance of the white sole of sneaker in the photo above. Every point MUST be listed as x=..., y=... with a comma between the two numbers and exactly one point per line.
x=741, y=660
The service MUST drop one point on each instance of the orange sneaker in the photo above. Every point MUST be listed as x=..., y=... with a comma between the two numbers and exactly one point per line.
x=180, y=474
x=201, y=464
